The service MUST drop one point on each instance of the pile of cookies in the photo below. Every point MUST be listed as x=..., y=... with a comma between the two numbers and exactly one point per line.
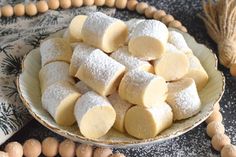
x=135, y=76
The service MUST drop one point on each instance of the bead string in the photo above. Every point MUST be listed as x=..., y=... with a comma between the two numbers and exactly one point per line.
x=215, y=128
x=50, y=147
x=42, y=6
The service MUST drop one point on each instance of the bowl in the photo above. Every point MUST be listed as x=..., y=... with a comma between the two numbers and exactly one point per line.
x=29, y=90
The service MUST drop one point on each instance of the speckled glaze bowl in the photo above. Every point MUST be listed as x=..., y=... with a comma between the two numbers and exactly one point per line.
x=29, y=89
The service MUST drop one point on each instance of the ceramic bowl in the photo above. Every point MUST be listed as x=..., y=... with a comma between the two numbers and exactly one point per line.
x=29, y=89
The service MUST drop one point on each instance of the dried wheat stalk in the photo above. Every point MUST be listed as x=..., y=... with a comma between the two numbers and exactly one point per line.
x=220, y=20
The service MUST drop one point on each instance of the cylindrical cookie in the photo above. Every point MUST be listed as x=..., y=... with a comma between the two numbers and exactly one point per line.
x=55, y=49
x=59, y=100
x=104, y=32
x=101, y=73
x=94, y=114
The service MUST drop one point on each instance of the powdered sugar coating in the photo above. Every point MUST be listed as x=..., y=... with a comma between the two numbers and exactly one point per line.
x=131, y=24
x=55, y=49
x=121, y=107
x=179, y=42
x=54, y=72
x=151, y=28
x=170, y=48
x=183, y=98
x=80, y=53
x=55, y=94
x=96, y=25
x=82, y=87
x=100, y=71
x=130, y=62
x=88, y=101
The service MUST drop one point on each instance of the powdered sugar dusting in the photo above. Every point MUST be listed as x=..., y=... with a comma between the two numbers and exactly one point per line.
x=102, y=67
x=179, y=42
x=130, y=62
x=88, y=101
x=82, y=87
x=131, y=24
x=56, y=93
x=53, y=48
x=54, y=72
x=151, y=28
x=80, y=53
x=120, y=106
x=187, y=102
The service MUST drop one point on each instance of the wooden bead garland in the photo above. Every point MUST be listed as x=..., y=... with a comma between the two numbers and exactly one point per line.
x=77, y=3
x=110, y=3
x=219, y=141
x=214, y=128
x=215, y=116
x=32, y=148
x=53, y=4
x=149, y=12
x=65, y=4
x=7, y=11
x=233, y=70
x=99, y=2
x=131, y=5
x=14, y=149
x=51, y=147
x=88, y=2
x=121, y=4
x=167, y=19
x=140, y=8
x=42, y=6
x=159, y=14
x=31, y=9
x=19, y=9
x=228, y=151
x=67, y=148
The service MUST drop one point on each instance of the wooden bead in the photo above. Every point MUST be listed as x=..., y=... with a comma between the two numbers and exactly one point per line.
x=183, y=29
x=214, y=128
x=88, y=2
x=31, y=9
x=219, y=141
x=110, y=3
x=7, y=11
x=131, y=4
x=77, y=3
x=215, y=116
x=117, y=155
x=50, y=146
x=159, y=14
x=228, y=151
x=140, y=8
x=175, y=24
x=3, y=154
x=53, y=4
x=65, y=4
x=149, y=12
x=42, y=6
x=0, y=12
x=233, y=70
x=19, y=9
x=14, y=149
x=121, y=4
x=216, y=107
x=167, y=19
x=67, y=148
x=32, y=148
x=99, y=2
x=102, y=152
x=84, y=150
